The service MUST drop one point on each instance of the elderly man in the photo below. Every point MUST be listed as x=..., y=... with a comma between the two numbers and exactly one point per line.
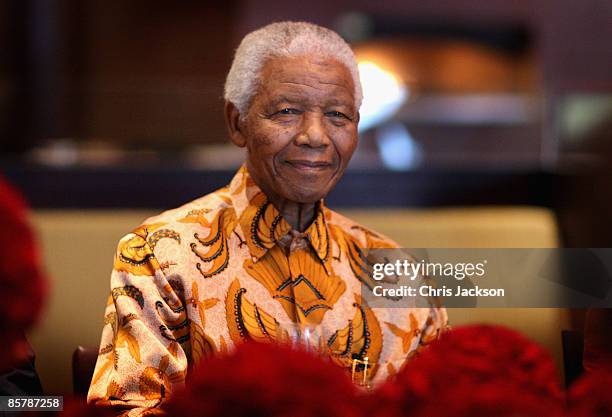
x=263, y=255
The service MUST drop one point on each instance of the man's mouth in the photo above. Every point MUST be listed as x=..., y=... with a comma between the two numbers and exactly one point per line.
x=309, y=165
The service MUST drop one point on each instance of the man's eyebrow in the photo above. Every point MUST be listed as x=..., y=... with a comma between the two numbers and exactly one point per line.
x=338, y=102
x=282, y=99
x=332, y=101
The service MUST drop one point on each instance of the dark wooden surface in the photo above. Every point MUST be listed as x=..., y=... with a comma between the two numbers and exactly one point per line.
x=163, y=187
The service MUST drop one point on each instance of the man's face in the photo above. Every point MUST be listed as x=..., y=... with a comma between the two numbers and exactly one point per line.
x=301, y=128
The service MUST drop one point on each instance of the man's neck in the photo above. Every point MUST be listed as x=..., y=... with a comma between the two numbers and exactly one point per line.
x=298, y=215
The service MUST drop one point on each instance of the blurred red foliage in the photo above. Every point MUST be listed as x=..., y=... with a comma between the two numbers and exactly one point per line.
x=22, y=283
x=591, y=396
x=474, y=371
x=266, y=380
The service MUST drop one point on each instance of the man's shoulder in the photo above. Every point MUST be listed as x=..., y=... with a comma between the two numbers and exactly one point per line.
x=364, y=236
x=196, y=212
x=209, y=203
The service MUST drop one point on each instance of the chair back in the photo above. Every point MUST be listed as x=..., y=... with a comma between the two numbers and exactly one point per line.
x=83, y=365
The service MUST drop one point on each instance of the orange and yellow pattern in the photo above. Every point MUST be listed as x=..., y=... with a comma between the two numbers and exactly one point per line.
x=227, y=268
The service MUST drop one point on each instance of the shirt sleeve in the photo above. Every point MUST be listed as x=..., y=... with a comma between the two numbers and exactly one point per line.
x=141, y=360
x=435, y=325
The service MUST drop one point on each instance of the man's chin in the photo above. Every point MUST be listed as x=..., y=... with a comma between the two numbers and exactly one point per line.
x=305, y=196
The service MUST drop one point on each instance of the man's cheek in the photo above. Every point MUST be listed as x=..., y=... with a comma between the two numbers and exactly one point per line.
x=262, y=139
x=346, y=151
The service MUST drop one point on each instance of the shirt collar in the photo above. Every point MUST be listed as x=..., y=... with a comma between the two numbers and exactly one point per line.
x=263, y=225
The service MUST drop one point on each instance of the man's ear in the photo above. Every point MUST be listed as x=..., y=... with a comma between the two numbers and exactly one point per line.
x=232, y=121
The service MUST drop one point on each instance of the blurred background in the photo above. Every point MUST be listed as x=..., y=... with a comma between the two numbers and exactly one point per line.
x=484, y=124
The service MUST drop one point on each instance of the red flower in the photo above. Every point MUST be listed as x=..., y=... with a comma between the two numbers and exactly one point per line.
x=22, y=285
x=475, y=371
x=266, y=380
x=590, y=395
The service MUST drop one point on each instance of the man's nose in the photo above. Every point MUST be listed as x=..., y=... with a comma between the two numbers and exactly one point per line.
x=313, y=133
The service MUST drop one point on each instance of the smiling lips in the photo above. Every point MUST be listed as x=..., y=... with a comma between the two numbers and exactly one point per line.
x=308, y=165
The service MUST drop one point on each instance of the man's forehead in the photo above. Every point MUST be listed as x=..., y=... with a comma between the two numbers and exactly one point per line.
x=276, y=97
x=306, y=66
x=290, y=79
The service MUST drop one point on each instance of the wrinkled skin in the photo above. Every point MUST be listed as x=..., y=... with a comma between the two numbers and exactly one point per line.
x=300, y=132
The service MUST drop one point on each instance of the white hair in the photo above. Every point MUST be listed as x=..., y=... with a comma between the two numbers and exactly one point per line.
x=283, y=39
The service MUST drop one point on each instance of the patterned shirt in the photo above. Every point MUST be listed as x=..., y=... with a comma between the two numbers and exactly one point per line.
x=227, y=268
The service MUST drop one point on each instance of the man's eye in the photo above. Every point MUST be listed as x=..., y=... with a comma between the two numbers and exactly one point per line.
x=289, y=111
x=337, y=114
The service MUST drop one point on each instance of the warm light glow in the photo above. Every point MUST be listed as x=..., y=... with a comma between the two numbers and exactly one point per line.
x=383, y=94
